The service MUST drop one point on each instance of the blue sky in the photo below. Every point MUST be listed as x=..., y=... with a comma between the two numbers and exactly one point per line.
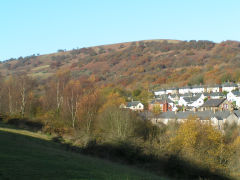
x=44, y=26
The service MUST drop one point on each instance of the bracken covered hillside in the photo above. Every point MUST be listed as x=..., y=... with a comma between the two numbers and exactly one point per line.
x=149, y=64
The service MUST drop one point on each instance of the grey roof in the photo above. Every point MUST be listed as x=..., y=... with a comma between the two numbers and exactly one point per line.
x=173, y=88
x=229, y=84
x=191, y=99
x=214, y=94
x=213, y=102
x=236, y=93
x=175, y=95
x=161, y=101
x=202, y=115
x=133, y=103
x=164, y=96
x=187, y=95
x=237, y=113
x=159, y=90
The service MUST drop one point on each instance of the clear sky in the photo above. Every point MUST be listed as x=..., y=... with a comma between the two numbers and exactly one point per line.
x=44, y=26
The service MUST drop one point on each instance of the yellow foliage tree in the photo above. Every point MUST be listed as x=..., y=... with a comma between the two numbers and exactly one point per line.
x=113, y=99
x=201, y=143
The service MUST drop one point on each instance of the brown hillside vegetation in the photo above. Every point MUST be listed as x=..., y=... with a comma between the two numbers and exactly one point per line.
x=75, y=96
x=150, y=63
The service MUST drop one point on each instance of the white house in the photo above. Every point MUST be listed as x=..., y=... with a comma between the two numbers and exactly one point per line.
x=160, y=92
x=197, y=89
x=214, y=88
x=135, y=106
x=234, y=96
x=184, y=90
x=194, y=101
x=228, y=87
x=172, y=91
x=197, y=103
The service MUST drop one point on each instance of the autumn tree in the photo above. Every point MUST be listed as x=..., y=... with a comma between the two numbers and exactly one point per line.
x=88, y=108
x=25, y=86
x=72, y=94
x=10, y=88
x=201, y=143
x=115, y=123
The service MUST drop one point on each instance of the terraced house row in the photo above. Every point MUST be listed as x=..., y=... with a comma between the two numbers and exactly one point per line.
x=217, y=104
x=226, y=87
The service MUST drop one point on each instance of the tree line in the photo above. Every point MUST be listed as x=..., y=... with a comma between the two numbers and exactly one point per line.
x=89, y=115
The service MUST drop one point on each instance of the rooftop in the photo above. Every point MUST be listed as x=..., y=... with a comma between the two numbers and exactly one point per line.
x=213, y=102
x=133, y=103
x=236, y=93
x=202, y=115
x=229, y=84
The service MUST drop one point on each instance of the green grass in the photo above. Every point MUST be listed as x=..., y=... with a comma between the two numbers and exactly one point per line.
x=28, y=155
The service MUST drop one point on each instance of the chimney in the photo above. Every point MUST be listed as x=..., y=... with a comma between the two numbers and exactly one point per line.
x=165, y=106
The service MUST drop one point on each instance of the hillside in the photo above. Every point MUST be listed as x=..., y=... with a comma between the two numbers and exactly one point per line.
x=146, y=64
x=27, y=155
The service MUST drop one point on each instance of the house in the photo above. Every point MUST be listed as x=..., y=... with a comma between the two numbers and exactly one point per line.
x=164, y=96
x=214, y=88
x=135, y=106
x=234, y=97
x=234, y=117
x=193, y=101
x=215, y=95
x=184, y=90
x=203, y=116
x=172, y=91
x=163, y=105
x=217, y=119
x=216, y=105
x=174, y=97
x=197, y=89
x=160, y=92
x=228, y=87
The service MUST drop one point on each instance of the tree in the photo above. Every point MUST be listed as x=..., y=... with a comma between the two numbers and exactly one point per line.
x=10, y=88
x=201, y=143
x=25, y=85
x=115, y=123
x=62, y=77
x=88, y=106
x=72, y=94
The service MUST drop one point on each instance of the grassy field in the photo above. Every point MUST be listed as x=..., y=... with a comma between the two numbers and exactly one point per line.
x=28, y=155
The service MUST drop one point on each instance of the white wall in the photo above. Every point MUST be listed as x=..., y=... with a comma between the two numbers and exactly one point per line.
x=228, y=89
x=157, y=93
x=213, y=89
x=197, y=90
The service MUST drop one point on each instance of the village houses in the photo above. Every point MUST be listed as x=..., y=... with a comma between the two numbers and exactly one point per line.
x=212, y=103
x=225, y=87
x=234, y=96
x=134, y=106
x=217, y=119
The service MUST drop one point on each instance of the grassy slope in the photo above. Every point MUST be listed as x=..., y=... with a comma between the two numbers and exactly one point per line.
x=27, y=155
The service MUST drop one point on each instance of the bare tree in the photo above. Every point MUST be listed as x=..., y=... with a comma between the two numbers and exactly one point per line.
x=73, y=92
x=25, y=85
